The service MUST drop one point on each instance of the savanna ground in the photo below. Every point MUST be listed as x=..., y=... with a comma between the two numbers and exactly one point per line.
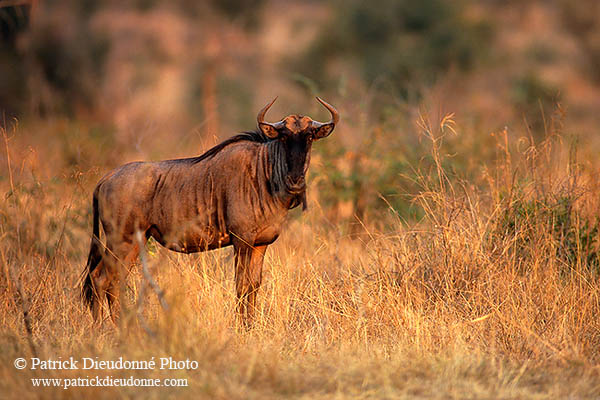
x=494, y=293
x=443, y=255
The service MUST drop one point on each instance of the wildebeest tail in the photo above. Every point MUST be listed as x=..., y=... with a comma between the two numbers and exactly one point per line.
x=94, y=258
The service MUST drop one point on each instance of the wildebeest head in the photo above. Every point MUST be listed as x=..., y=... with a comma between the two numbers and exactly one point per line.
x=295, y=133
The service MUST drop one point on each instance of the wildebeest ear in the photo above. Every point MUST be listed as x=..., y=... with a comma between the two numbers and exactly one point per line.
x=268, y=130
x=324, y=130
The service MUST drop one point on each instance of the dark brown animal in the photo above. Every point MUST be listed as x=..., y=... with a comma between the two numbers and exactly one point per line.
x=237, y=193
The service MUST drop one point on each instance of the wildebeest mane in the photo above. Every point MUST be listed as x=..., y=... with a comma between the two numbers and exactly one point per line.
x=250, y=136
x=276, y=155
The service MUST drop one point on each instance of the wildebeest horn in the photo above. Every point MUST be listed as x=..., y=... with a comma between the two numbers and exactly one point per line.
x=323, y=129
x=335, y=116
x=269, y=129
x=261, y=115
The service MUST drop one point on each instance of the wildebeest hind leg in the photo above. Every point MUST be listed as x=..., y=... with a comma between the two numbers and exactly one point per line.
x=123, y=256
x=100, y=284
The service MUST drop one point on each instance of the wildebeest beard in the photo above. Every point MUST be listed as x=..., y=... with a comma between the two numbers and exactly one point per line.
x=279, y=171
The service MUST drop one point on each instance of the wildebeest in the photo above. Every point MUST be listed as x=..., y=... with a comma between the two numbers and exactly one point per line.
x=237, y=193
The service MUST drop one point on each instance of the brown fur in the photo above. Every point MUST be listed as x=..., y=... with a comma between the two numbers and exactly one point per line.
x=237, y=193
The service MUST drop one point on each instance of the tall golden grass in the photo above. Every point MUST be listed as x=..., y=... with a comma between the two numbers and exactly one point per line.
x=495, y=293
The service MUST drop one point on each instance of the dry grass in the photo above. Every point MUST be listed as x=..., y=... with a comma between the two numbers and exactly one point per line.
x=489, y=296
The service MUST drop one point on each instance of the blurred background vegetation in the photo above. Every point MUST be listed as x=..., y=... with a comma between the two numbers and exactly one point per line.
x=95, y=84
x=452, y=239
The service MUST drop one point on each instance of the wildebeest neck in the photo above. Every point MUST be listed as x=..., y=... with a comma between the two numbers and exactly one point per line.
x=292, y=193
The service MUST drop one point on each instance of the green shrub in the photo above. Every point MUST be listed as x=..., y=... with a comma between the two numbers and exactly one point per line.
x=534, y=99
x=555, y=224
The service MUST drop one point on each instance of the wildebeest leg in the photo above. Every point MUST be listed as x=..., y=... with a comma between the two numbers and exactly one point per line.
x=255, y=278
x=100, y=281
x=127, y=253
x=248, y=276
x=107, y=277
x=242, y=257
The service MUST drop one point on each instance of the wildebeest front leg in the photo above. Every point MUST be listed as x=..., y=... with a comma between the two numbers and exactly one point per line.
x=248, y=277
x=255, y=278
